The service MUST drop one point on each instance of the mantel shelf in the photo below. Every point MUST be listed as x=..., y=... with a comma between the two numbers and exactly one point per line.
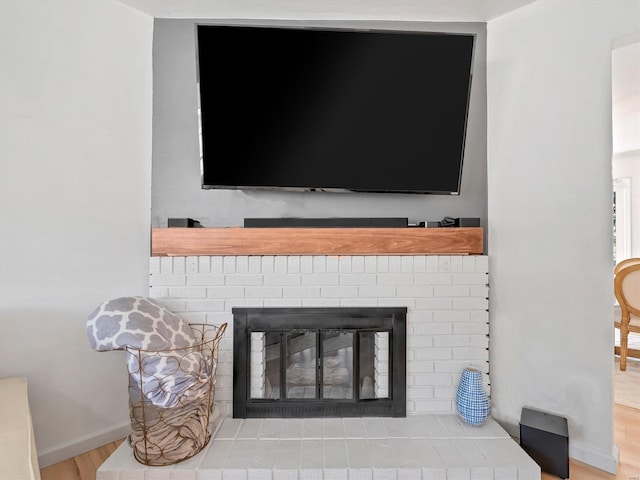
x=316, y=241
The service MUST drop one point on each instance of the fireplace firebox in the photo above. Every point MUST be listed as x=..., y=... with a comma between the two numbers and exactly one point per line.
x=319, y=362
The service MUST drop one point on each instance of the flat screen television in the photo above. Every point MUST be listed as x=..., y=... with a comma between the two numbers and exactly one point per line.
x=333, y=109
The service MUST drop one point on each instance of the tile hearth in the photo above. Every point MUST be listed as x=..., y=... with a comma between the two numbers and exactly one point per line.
x=417, y=447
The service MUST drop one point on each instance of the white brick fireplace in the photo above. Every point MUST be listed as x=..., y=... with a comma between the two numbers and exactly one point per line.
x=446, y=298
x=447, y=329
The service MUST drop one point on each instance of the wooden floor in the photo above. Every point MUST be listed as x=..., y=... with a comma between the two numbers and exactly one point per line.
x=626, y=424
x=627, y=437
x=81, y=467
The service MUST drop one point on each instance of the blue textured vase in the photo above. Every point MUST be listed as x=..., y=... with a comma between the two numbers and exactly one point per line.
x=472, y=401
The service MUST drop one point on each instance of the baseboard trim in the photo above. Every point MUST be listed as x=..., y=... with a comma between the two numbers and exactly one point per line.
x=58, y=453
x=596, y=458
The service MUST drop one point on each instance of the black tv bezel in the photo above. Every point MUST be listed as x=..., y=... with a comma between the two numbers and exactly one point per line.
x=279, y=188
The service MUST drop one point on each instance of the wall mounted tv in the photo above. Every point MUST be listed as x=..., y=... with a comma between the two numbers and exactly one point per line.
x=333, y=109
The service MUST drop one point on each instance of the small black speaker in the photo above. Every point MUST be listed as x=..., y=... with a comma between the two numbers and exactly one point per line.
x=183, y=223
x=545, y=437
x=467, y=222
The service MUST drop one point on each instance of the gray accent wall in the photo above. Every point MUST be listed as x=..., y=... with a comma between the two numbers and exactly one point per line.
x=176, y=190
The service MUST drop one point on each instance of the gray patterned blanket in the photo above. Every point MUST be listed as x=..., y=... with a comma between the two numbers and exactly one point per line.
x=163, y=360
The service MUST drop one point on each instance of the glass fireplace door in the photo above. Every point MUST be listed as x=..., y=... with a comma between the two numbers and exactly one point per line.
x=319, y=365
x=286, y=365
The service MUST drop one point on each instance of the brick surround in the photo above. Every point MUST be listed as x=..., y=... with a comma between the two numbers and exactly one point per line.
x=446, y=298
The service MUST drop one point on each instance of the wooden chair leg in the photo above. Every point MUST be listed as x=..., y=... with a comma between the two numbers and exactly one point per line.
x=624, y=341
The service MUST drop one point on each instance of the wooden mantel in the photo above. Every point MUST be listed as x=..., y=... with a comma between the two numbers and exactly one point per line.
x=315, y=241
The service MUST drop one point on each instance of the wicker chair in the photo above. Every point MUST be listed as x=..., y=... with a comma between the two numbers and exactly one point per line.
x=626, y=286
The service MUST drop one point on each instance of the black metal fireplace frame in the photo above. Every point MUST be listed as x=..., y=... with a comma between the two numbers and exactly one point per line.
x=361, y=319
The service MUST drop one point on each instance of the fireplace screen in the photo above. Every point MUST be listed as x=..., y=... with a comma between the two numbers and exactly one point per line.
x=315, y=362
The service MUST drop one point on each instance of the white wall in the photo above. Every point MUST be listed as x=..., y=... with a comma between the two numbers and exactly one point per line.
x=625, y=84
x=75, y=161
x=549, y=184
x=627, y=165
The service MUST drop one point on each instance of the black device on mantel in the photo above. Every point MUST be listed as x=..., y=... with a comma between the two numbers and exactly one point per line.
x=345, y=222
x=183, y=223
x=455, y=222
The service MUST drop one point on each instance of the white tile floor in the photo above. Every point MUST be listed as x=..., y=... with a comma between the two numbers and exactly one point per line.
x=428, y=447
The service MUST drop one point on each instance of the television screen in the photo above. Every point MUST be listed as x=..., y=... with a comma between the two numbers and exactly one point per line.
x=333, y=110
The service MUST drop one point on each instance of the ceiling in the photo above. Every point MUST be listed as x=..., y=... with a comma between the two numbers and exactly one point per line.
x=417, y=10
